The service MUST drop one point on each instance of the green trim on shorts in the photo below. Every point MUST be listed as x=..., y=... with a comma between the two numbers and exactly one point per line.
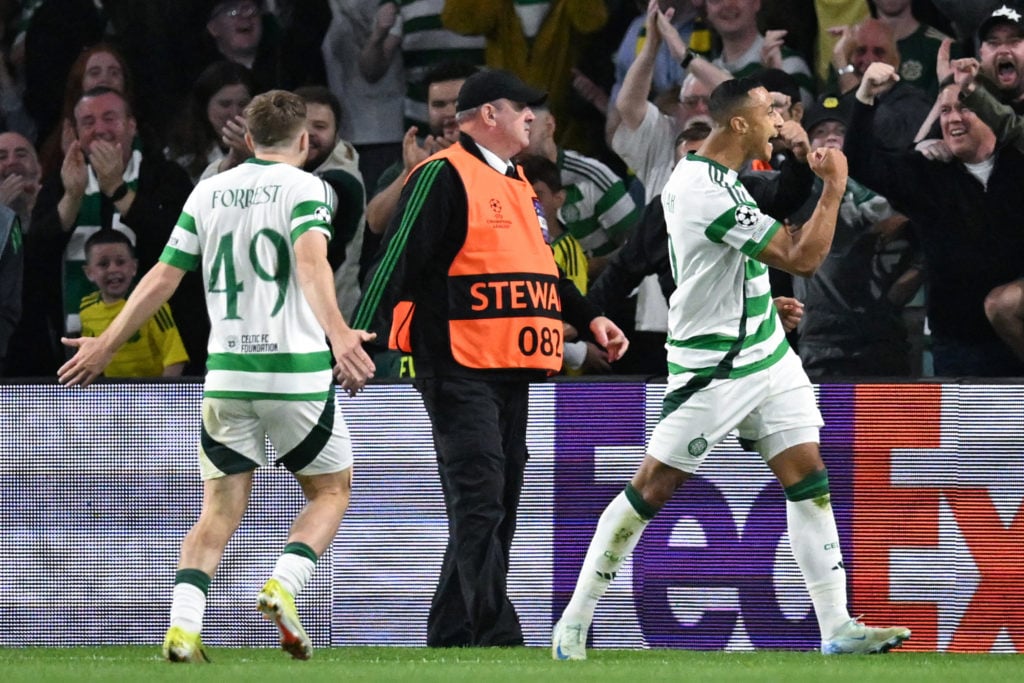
x=300, y=549
x=814, y=485
x=225, y=459
x=307, y=449
x=193, y=577
x=642, y=507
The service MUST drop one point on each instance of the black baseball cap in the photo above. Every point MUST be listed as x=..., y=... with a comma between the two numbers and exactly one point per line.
x=496, y=84
x=1001, y=15
x=828, y=108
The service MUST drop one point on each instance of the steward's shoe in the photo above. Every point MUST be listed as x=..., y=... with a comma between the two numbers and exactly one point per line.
x=278, y=606
x=853, y=638
x=182, y=646
x=569, y=641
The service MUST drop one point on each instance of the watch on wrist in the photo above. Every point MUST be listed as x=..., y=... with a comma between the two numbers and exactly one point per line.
x=118, y=194
x=848, y=69
x=687, y=58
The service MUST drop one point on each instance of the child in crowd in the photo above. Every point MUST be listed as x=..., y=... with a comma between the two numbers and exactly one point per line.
x=156, y=350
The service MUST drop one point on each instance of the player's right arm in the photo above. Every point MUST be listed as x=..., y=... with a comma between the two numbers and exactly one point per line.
x=354, y=366
x=802, y=252
x=94, y=353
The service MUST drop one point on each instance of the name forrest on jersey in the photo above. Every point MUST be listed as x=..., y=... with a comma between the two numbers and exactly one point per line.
x=243, y=198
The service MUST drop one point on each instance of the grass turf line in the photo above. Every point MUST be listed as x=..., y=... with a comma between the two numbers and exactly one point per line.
x=497, y=665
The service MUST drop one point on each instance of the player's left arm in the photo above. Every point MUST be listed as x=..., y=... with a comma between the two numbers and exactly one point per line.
x=802, y=252
x=93, y=354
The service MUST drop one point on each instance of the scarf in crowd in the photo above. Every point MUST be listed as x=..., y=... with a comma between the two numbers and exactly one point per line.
x=88, y=222
x=531, y=14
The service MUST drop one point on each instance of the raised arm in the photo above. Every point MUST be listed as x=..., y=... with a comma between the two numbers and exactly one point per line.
x=801, y=253
x=1004, y=122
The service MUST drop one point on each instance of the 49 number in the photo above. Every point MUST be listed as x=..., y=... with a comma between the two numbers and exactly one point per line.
x=278, y=271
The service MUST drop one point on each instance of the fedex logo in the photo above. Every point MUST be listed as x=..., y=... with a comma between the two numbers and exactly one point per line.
x=925, y=496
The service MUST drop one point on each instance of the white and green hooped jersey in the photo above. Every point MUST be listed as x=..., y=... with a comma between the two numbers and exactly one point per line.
x=239, y=226
x=721, y=321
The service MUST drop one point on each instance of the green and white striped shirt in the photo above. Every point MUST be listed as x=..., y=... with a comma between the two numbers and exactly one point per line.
x=239, y=227
x=722, y=323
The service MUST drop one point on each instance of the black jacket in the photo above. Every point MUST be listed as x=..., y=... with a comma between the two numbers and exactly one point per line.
x=419, y=272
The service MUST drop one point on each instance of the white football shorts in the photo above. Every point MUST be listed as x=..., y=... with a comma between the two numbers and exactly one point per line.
x=310, y=437
x=773, y=409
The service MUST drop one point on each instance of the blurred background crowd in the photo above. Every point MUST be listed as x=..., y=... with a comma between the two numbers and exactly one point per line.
x=111, y=111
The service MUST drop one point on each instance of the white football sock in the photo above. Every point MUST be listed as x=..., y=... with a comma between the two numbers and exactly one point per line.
x=188, y=603
x=293, y=571
x=815, y=542
x=618, y=531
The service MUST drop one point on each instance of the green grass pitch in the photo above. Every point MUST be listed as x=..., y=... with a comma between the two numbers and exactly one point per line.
x=519, y=665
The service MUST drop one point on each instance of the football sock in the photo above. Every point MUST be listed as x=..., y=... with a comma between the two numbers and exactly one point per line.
x=618, y=531
x=815, y=542
x=294, y=567
x=188, y=600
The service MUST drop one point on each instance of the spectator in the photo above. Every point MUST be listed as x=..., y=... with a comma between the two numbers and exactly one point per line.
x=745, y=49
x=917, y=44
x=336, y=162
x=104, y=183
x=665, y=71
x=967, y=213
x=99, y=65
x=241, y=31
x=1004, y=306
x=598, y=211
x=413, y=31
x=902, y=109
x=19, y=186
x=156, y=350
x=1001, y=53
x=853, y=325
x=540, y=42
x=443, y=83
x=375, y=125
x=472, y=370
x=218, y=96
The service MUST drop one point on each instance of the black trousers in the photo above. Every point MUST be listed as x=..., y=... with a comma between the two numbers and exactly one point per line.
x=479, y=432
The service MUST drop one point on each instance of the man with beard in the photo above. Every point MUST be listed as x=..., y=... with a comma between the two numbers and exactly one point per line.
x=1001, y=53
x=443, y=84
x=337, y=163
x=19, y=186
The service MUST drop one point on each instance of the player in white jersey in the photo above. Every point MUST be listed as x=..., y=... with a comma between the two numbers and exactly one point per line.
x=730, y=367
x=260, y=233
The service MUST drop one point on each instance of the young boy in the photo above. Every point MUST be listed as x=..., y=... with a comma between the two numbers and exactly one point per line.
x=156, y=350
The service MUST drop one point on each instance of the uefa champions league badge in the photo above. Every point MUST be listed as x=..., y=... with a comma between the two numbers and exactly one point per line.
x=542, y=220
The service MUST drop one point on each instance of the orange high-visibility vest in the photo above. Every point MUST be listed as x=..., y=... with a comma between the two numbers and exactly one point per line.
x=504, y=310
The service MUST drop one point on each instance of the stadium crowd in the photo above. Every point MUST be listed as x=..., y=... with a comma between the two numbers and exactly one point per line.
x=110, y=113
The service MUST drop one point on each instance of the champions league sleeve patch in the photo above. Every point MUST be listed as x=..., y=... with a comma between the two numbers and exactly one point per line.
x=746, y=216
x=752, y=221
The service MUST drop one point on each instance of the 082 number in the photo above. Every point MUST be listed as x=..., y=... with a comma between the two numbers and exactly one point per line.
x=547, y=341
